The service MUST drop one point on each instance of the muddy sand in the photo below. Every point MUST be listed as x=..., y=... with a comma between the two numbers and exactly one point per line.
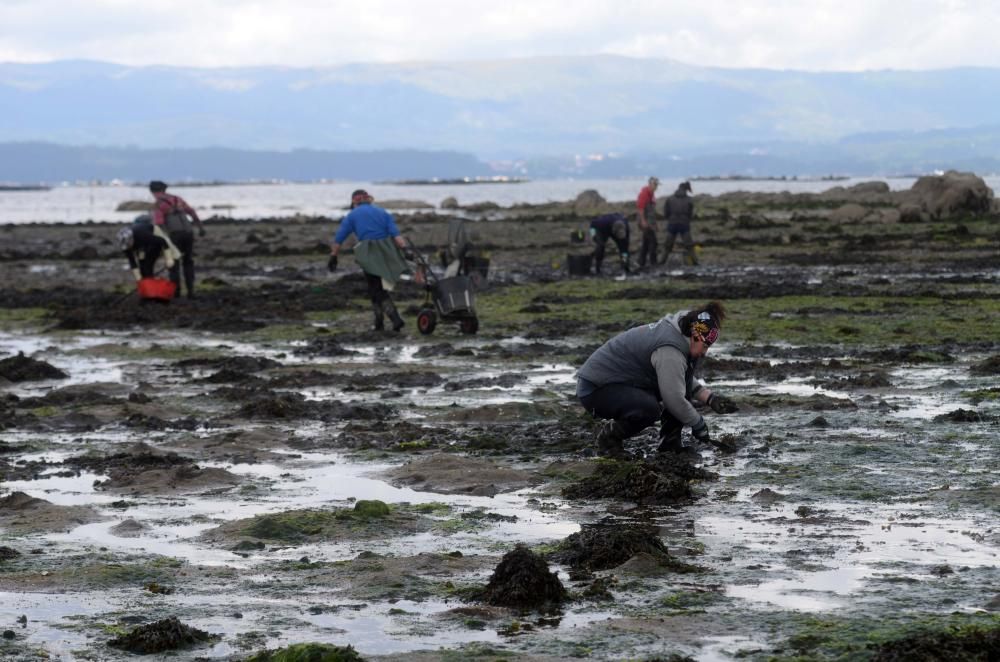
x=255, y=475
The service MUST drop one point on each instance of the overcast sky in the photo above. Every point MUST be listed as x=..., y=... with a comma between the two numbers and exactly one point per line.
x=808, y=34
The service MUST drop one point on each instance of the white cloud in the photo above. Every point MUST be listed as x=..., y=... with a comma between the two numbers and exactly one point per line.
x=818, y=35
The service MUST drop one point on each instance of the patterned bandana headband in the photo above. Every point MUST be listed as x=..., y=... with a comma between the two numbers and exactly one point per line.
x=706, y=327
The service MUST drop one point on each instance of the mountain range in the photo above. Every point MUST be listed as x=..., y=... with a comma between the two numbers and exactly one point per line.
x=600, y=115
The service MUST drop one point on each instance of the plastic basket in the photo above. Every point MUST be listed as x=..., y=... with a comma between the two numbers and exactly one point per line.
x=160, y=289
x=453, y=295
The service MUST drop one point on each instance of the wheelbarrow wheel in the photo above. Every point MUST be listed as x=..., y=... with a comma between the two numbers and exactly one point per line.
x=426, y=321
x=469, y=325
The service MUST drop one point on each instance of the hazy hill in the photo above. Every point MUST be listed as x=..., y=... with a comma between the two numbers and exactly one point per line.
x=508, y=108
x=654, y=114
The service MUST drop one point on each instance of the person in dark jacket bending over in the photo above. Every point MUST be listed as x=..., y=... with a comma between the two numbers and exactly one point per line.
x=610, y=226
x=142, y=248
x=378, y=252
x=170, y=213
x=625, y=380
x=679, y=210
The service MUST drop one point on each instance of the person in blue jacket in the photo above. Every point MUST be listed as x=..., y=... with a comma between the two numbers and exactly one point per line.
x=378, y=252
x=610, y=226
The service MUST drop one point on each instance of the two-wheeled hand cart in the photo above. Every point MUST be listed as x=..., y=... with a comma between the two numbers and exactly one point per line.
x=447, y=300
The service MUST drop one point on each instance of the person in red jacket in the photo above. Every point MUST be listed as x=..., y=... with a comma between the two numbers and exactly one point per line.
x=646, y=204
x=170, y=213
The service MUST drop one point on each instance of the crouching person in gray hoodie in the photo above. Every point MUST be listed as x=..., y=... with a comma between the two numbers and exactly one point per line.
x=627, y=378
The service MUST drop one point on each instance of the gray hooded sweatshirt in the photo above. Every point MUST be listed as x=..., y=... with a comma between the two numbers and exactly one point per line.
x=653, y=357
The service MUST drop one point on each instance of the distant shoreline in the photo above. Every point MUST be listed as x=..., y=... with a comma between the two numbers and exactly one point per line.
x=456, y=181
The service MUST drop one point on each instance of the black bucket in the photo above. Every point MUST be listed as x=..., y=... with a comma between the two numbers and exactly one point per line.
x=453, y=294
x=579, y=265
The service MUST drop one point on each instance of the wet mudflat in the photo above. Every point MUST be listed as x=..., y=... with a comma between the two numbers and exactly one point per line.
x=240, y=475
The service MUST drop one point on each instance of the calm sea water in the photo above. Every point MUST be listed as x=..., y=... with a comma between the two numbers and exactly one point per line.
x=78, y=204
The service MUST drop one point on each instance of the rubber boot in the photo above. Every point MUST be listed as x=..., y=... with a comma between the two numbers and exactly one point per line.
x=379, y=317
x=175, y=277
x=671, y=440
x=390, y=310
x=666, y=256
x=610, y=440
x=189, y=280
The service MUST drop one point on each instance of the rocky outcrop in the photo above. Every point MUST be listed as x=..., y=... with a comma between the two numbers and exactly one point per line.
x=951, y=194
x=449, y=203
x=588, y=202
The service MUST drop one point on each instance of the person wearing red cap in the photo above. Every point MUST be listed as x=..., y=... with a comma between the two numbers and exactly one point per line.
x=378, y=252
x=627, y=378
x=646, y=206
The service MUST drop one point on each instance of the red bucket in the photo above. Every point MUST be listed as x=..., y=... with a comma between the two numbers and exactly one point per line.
x=157, y=288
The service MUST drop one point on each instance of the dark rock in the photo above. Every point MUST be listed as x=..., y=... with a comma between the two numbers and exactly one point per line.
x=959, y=416
x=990, y=366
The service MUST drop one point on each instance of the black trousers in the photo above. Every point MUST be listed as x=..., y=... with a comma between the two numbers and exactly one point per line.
x=633, y=408
x=376, y=292
x=647, y=251
x=184, y=241
x=147, y=264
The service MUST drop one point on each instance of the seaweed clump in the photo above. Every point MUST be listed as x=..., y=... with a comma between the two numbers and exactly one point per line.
x=164, y=635
x=606, y=545
x=659, y=480
x=309, y=653
x=969, y=643
x=21, y=368
x=522, y=580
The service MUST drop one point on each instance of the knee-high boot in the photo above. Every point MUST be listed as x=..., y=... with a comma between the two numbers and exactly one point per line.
x=379, y=316
x=390, y=310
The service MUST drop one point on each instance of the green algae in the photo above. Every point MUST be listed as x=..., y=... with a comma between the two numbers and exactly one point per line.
x=890, y=637
x=370, y=509
x=298, y=525
x=309, y=652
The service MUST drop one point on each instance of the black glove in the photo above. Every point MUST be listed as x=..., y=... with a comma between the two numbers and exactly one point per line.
x=720, y=404
x=331, y=264
x=408, y=254
x=201, y=231
x=700, y=432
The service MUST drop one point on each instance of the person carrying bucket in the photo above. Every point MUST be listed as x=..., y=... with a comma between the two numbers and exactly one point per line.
x=610, y=226
x=379, y=252
x=627, y=378
x=143, y=247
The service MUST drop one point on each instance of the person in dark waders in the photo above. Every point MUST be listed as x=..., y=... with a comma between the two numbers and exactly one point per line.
x=627, y=378
x=171, y=213
x=679, y=211
x=610, y=226
x=379, y=252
